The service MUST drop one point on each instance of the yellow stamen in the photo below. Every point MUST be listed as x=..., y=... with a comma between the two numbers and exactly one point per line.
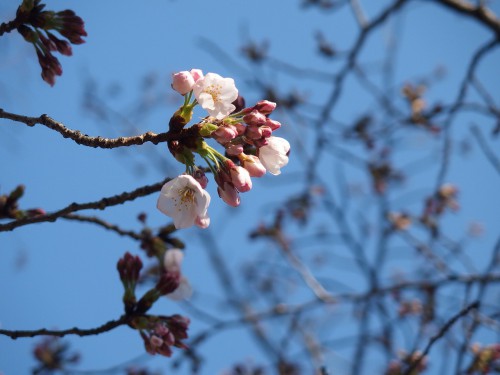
x=214, y=90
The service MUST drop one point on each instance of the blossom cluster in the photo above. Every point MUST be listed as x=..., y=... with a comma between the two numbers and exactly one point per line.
x=246, y=134
x=36, y=26
x=160, y=333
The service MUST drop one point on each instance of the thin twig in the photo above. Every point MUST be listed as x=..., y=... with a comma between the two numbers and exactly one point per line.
x=441, y=333
x=485, y=148
x=104, y=224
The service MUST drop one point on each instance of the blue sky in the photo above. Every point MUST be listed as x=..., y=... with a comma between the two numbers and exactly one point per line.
x=69, y=275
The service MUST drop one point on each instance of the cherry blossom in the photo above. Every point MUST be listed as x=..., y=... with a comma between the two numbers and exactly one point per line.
x=241, y=179
x=184, y=200
x=253, y=165
x=215, y=94
x=172, y=262
x=183, y=82
x=274, y=155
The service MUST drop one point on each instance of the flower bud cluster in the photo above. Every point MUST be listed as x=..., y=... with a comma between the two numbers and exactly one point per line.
x=35, y=28
x=251, y=128
x=129, y=268
x=161, y=333
x=245, y=133
x=9, y=206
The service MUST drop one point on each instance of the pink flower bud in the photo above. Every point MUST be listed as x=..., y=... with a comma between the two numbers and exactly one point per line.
x=156, y=341
x=266, y=131
x=201, y=178
x=197, y=74
x=240, y=128
x=182, y=82
x=225, y=134
x=265, y=107
x=274, y=125
x=261, y=142
x=255, y=118
x=241, y=179
x=253, y=132
x=253, y=165
x=234, y=150
x=229, y=194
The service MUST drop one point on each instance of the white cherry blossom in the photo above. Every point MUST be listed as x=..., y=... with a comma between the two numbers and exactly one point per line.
x=184, y=200
x=215, y=94
x=172, y=262
x=274, y=155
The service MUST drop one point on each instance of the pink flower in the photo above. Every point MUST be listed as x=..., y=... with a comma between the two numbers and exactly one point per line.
x=200, y=176
x=183, y=82
x=255, y=118
x=253, y=165
x=273, y=124
x=184, y=200
x=274, y=155
x=265, y=107
x=234, y=150
x=172, y=262
x=216, y=94
x=197, y=74
x=229, y=194
x=225, y=134
x=240, y=179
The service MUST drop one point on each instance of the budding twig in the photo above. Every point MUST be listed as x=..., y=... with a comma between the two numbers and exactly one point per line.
x=100, y=204
x=83, y=139
x=112, y=324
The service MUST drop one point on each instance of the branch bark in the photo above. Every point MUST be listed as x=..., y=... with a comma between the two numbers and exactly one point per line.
x=100, y=204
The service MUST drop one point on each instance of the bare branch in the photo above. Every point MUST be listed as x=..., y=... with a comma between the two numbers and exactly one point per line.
x=106, y=327
x=104, y=224
x=441, y=333
x=85, y=140
x=482, y=14
x=97, y=205
x=485, y=148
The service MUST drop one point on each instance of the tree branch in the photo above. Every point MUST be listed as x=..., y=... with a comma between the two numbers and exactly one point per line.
x=112, y=324
x=441, y=333
x=480, y=13
x=85, y=140
x=104, y=224
x=100, y=204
